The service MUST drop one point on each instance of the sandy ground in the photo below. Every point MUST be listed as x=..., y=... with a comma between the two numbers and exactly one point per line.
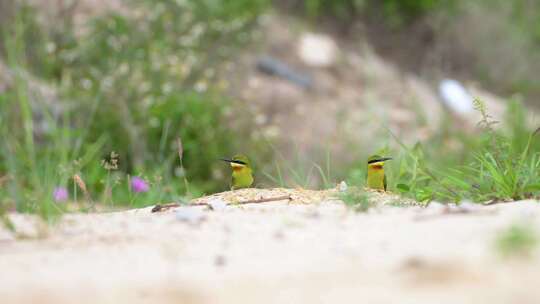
x=275, y=252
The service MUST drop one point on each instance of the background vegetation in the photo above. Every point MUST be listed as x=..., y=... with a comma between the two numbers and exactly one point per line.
x=145, y=85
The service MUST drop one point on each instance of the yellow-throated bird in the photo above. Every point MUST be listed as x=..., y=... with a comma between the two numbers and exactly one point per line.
x=241, y=172
x=376, y=179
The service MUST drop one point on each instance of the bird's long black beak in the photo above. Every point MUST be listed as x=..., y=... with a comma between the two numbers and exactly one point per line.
x=379, y=160
x=233, y=161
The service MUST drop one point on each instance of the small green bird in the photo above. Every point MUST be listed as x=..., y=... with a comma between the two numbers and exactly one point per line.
x=241, y=172
x=376, y=179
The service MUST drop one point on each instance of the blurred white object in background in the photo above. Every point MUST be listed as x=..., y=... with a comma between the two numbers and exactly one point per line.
x=317, y=50
x=189, y=214
x=456, y=97
x=217, y=204
x=342, y=187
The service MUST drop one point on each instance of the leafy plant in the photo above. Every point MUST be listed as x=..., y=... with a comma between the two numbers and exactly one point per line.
x=506, y=167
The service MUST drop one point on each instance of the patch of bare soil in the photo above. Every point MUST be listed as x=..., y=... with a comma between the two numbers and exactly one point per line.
x=276, y=252
x=295, y=196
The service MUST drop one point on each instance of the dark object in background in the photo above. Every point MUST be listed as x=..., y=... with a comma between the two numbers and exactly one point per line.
x=272, y=66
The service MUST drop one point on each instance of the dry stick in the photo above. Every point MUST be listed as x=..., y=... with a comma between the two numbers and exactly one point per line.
x=264, y=200
x=159, y=208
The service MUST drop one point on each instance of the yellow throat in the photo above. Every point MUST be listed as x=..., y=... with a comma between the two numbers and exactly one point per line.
x=242, y=176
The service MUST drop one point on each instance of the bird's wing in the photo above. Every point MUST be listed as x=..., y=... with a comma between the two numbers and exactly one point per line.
x=384, y=182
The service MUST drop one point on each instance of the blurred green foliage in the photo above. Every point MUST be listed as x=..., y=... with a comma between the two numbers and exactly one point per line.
x=399, y=11
x=395, y=12
x=515, y=31
x=339, y=8
x=131, y=83
x=526, y=15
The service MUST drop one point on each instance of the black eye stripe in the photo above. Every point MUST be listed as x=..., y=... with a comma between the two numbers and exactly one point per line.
x=234, y=161
x=378, y=160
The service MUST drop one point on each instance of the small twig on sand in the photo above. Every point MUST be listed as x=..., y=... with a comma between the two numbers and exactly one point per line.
x=263, y=200
x=496, y=201
x=160, y=208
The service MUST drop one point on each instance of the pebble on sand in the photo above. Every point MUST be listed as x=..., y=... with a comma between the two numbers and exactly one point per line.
x=190, y=215
x=217, y=204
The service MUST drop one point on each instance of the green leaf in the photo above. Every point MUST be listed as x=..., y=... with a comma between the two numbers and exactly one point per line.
x=403, y=187
x=424, y=195
x=532, y=187
x=458, y=182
